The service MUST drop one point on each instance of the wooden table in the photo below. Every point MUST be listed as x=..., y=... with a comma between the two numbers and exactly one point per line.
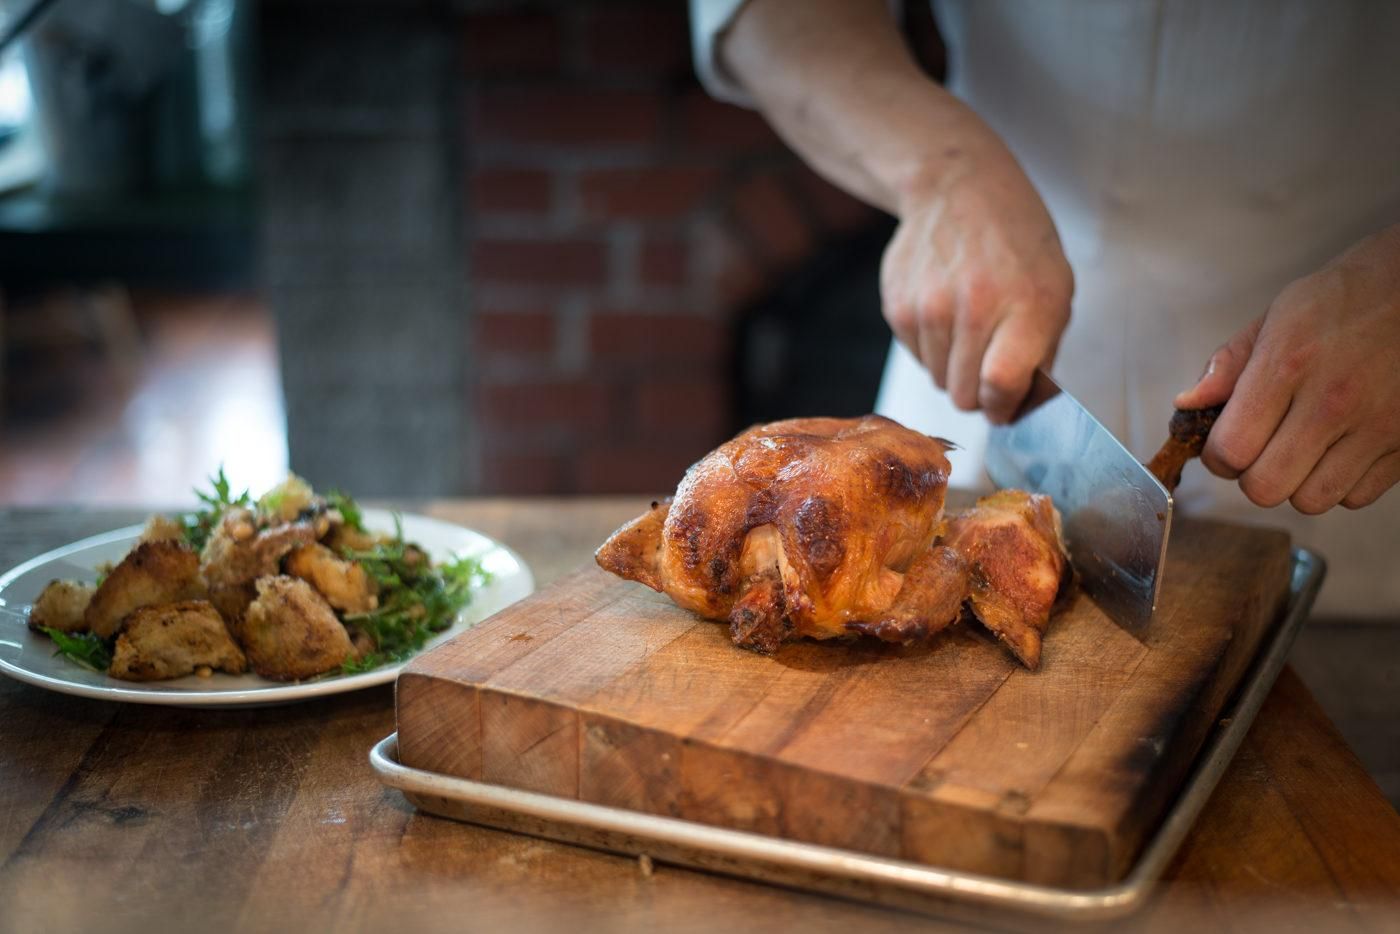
x=127, y=818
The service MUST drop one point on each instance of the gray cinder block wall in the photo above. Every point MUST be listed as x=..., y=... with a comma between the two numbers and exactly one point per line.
x=360, y=253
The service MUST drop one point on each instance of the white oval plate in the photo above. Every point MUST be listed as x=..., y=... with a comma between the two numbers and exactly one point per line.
x=29, y=656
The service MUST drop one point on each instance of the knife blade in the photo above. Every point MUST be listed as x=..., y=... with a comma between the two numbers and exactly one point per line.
x=1117, y=515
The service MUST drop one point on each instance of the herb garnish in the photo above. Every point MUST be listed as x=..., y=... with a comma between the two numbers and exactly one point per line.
x=349, y=510
x=85, y=648
x=416, y=599
x=199, y=525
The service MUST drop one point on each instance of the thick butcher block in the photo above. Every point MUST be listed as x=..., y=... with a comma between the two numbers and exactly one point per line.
x=949, y=754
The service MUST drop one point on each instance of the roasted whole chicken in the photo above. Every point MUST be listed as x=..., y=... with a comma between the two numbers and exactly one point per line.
x=826, y=527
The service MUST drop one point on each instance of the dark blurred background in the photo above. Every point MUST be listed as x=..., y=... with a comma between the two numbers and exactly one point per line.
x=409, y=248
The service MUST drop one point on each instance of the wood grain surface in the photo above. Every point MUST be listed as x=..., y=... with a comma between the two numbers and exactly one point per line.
x=122, y=818
x=951, y=753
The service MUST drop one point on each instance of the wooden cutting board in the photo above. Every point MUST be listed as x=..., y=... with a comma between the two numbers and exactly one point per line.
x=949, y=754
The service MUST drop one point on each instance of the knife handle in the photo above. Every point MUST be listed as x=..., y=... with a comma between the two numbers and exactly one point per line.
x=1186, y=438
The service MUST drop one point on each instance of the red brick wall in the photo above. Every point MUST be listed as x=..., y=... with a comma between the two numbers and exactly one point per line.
x=618, y=220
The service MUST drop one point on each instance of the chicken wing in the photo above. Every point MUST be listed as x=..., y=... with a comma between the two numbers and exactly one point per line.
x=174, y=640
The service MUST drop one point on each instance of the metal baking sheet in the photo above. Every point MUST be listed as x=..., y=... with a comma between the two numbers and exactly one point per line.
x=853, y=875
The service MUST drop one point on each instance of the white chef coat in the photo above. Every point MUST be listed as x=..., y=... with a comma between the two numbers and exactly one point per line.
x=1196, y=157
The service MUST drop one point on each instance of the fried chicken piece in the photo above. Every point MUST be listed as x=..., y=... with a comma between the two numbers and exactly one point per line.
x=152, y=573
x=792, y=529
x=174, y=640
x=237, y=554
x=62, y=606
x=290, y=632
x=1014, y=548
x=344, y=584
x=162, y=529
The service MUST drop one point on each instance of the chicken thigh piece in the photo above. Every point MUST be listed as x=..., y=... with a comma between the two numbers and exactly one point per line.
x=1014, y=549
x=290, y=632
x=795, y=528
x=174, y=640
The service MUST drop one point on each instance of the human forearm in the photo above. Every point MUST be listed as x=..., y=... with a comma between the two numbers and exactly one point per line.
x=974, y=282
x=834, y=78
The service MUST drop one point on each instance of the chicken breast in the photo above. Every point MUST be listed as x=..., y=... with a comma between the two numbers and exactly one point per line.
x=237, y=554
x=152, y=573
x=174, y=640
x=62, y=606
x=290, y=632
x=344, y=584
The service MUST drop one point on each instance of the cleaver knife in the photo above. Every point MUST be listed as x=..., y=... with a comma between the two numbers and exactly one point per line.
x=1117, y=515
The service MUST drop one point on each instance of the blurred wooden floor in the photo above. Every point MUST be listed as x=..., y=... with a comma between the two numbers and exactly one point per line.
x=196, y=387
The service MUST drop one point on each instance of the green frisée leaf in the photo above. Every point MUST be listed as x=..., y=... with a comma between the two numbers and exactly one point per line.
x=348, y=508
x=199, y=525
x=86, y=649
x=416, y=599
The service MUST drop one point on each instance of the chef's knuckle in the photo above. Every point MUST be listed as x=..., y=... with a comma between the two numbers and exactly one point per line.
x=1294, y=359
x=936, y=308
x=981, y=297
x=1359, y=499
x=1339, y=398
x=1262, y=489
x=899, y=312
x=1312, y=502
x=964, y=395
x=1001, y=377
x=1229, y=453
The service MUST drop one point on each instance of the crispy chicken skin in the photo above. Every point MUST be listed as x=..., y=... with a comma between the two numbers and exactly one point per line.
x=827, y=527
x=930, y=600
x=237, y=554
x=290, y=632
x=344, y=584
x=161, y=528
x=62, y=606
x=173, y=640
x=795, y=528
x=152, y=573
x=1012, y=543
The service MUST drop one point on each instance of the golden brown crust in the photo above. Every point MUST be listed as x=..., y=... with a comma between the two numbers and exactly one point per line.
x=290, y=632
x=833, y=509
x=848, y=499
x=344, y=584
x=634, y=550
x=152, y=573
x=1013, y=544
x=174, y=640
x=237, y=554
x=929, y=601
x=62, y=606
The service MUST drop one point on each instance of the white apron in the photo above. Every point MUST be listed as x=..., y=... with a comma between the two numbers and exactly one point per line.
x=1197, y=156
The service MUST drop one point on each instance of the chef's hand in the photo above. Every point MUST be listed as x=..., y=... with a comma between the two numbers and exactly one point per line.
x=976, y=285
x=1313, y=415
